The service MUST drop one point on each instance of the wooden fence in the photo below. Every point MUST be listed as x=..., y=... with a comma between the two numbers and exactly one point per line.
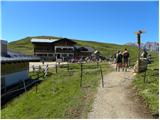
x=41, y=71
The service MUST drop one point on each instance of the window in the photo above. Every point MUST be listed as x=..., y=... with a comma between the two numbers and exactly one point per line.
x=39, y=54
x=70, y=55
x=64, y=55
x=44, y=54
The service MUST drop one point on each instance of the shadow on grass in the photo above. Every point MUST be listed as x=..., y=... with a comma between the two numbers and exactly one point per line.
x=18, y=89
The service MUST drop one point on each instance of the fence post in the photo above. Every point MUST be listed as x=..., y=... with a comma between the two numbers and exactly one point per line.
x=97, y=64
x=102, y=76
x=56, y=67
x=68, y=67
x=145, y=74
x=46, y=71
x=33, y=68
x=24, y=85
x=36, y=87
x=81, y=74
x=38, y=72
x=38, y=79
x=43, y=72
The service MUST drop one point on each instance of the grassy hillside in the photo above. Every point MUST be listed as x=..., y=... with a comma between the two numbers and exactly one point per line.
x=25, y=46
x=149, y=90
x=107, y=49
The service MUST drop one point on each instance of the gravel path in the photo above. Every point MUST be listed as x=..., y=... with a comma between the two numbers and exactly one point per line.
x=117, y=99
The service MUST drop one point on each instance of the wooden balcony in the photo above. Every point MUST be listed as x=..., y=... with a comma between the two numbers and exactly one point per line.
x=64, y=51
x=39, y=50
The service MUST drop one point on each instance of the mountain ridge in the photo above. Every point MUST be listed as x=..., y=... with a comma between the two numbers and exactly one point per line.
x=152, y=46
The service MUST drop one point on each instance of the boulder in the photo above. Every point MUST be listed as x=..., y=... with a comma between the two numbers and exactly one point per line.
x=143, y=65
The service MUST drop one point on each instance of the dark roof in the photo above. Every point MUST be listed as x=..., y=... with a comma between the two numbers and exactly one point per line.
x=3, y=42
x=17, y=57
x=89, y=49
x=15, y=54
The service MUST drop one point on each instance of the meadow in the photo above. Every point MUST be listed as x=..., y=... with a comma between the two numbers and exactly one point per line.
x=149, y=90
x=60, y=95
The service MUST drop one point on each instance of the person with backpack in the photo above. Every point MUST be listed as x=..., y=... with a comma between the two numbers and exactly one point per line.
x=125, y=59
x=119, y=60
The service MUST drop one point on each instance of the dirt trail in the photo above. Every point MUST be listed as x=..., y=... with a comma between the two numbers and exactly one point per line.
x=117, y=99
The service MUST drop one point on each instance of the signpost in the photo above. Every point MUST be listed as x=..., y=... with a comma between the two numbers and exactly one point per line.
x=139, y=46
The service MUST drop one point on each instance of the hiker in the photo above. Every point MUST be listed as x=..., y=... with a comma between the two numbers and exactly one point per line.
x=125, y=59
x=119, y=60
x=114, y=58
x=144, y=53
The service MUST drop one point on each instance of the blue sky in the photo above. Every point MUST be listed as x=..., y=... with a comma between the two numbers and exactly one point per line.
x=111, y=22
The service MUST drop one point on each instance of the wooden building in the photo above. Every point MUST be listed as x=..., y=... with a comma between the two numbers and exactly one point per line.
x=53, y=49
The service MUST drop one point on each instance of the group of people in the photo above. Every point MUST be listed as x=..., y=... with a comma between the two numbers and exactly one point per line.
x=122, y=60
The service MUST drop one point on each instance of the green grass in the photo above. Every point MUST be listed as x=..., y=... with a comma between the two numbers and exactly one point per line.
x=149, y=90
x=60, y=96
x=23, y=45
x=106, y=49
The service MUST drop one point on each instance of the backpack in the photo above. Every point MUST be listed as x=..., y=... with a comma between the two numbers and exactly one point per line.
x=126, y=55
x=119, y=57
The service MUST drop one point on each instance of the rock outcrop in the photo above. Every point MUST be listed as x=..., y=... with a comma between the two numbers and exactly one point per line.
x=143, y=65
